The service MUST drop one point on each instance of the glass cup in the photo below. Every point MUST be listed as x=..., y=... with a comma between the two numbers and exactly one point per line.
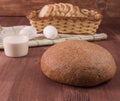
x=16, y=46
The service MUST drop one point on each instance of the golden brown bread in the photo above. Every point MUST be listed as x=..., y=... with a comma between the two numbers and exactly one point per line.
x=45, y=11
x=67, y=10
x=78, y=63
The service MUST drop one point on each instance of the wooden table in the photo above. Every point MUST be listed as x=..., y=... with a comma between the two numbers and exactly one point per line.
x=21, y=79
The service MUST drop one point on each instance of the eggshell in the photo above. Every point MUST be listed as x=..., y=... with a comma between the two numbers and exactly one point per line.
x=50, y=32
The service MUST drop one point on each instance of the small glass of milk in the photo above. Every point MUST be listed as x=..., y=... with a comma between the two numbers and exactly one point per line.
x=15, y=46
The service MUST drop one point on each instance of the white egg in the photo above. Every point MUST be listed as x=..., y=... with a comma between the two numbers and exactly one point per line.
x=50, y=32
x=29, y=31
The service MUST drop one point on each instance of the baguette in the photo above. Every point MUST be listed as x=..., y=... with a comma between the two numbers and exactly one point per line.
x=62, y=9
x=55, y=11
x=45, y=11
x=71, y=10
x=67, y=10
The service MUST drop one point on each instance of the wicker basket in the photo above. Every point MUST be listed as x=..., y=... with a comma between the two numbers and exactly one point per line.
x=76, y=25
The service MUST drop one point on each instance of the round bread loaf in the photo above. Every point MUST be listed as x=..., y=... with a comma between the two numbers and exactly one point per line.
x=78, y=63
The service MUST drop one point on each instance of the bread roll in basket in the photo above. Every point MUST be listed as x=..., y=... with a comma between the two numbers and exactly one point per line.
x=67, y=18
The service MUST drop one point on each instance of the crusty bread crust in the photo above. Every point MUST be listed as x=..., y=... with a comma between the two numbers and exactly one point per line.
x=78, y=63
x=45, y=11
x=67, y=10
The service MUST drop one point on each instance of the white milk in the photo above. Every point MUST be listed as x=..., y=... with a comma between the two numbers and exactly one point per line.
x=15, y=46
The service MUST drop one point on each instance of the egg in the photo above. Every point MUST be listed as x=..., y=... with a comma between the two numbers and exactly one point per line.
x=29, y=31
x=50, y=32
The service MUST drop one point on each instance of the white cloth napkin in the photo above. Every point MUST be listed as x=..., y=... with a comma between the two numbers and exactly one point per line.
x=41, y=40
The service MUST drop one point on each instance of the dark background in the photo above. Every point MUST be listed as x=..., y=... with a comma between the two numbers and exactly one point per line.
x=22, y=7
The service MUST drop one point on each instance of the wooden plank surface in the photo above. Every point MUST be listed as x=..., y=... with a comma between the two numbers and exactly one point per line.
x=21, y=79
x=22, y=7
